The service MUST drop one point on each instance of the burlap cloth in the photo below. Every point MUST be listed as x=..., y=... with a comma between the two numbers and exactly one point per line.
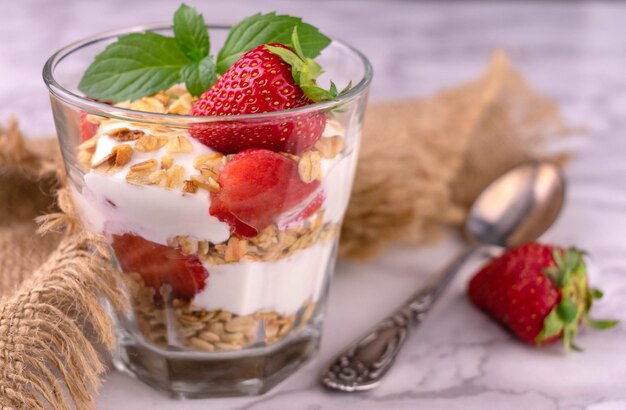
x=422, y=162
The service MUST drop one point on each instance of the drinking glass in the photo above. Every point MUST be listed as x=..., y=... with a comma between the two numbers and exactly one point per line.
x=216, y=310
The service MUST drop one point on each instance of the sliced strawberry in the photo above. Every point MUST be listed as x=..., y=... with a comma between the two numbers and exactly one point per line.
x=159, y=265
x=307, y=211
x=257, y=185
x=259, y=82
x=87, y=129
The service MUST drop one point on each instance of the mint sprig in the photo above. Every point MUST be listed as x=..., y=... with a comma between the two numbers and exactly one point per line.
x=141, y=64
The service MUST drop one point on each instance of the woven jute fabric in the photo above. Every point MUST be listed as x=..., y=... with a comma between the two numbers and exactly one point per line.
x=421, y=165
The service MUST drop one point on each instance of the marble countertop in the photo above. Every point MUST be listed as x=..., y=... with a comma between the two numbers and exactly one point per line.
x=458, y=359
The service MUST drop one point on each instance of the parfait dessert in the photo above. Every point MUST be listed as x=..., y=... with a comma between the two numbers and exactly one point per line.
x=221, y=192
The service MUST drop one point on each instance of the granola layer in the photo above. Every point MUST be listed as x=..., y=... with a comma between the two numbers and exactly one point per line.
x=208, y=330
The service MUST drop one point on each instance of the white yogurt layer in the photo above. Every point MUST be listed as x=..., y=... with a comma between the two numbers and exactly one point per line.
x=153, y=212
x=158, y=214
x=108, y=204
x=282, y=286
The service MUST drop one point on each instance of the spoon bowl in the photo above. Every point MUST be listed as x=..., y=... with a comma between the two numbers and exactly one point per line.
x=518, y=207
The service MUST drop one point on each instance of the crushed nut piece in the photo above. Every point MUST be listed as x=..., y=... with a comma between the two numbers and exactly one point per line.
x=123, y=154
x=167, y=161
x=329, y=147
x=168, y=178
x=147, y=165
x=148, y=143
x=200, y=344
x=162, y=97
x=175, y=176
x=190, y=187
x=188, y=245
x=158, y=177
x=148, y=104
x=310, y=167
x=124, y=134
x=138, y=177
x=235, y=249
x=182, y=105
x=209, y=184
x=207, y=159
x=208, y=172
x=178, y=144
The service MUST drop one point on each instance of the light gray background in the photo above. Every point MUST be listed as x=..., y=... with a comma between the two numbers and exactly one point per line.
x=459, y=360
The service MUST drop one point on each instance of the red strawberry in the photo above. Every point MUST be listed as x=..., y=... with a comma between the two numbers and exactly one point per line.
x=87, y=129
x=307, y=211
x=539, y=292
x=256, y=186
x=260, y=81
x=159, y=265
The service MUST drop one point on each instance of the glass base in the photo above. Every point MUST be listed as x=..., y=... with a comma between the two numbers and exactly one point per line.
x=189, y=375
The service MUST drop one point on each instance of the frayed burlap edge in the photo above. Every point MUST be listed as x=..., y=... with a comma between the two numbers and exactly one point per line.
x=47, y=360
x=32, y=160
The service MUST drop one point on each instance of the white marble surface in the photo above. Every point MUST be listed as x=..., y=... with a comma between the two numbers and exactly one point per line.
x=458, y=359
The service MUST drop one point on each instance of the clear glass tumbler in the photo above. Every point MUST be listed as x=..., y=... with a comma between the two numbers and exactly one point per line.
x=220, y=306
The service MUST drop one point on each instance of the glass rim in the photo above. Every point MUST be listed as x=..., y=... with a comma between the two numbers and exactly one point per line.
x=95, y=107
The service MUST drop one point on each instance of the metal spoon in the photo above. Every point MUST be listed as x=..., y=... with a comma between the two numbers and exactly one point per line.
x=516, y=208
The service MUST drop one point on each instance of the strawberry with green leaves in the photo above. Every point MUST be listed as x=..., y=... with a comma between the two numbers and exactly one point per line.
x=262, y=81
x=539, y=292
x=144, y=63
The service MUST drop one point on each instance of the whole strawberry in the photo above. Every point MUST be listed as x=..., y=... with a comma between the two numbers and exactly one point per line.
x=268, y=78
x=539, y=292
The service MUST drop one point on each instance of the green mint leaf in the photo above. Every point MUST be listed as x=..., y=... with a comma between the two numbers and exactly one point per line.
x=567, y=310
x=601, y=324
x=191, y=33
x=136, y=65
x=200, y=76
x=268, y=28
x=552, y=326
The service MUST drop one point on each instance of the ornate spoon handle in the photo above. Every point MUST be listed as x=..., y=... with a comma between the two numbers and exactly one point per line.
x=363, y=365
